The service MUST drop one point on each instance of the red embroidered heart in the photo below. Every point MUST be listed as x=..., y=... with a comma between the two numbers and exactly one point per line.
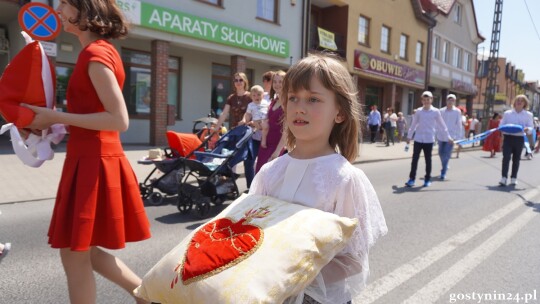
x=219, y=245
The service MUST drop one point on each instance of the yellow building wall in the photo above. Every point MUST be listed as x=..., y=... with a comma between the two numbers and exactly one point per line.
x=399, y=16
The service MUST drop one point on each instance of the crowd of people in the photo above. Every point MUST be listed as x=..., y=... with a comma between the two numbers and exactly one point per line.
x=309, y=116
x=431, y=126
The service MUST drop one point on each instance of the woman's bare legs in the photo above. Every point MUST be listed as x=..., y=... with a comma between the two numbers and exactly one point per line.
x=80, y=276
x=80, y=266
x=116, y=271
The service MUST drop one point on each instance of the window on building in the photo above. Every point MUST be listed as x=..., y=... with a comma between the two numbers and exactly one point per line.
x=137, y=90
x=419, y=51
x=456, y=57
x=221, y=87
x=436, y=47
x=445, y=52
x=403, y=43
x=457, y=13
x=63, y=73
x=268, y=10
x=363, y=30
x=385, y=39
x=467, y=62
x=214, y=2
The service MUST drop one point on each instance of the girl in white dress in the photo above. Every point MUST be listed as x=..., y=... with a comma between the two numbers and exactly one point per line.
x=321, y=125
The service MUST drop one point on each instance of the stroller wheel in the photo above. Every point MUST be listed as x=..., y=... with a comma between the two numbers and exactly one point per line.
x=184, y=208
x=184, y=203
x=155, y=198
x=202, y=209
x=145, y=191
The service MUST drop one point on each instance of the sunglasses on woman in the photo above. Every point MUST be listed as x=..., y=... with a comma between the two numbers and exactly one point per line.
x=239, y=80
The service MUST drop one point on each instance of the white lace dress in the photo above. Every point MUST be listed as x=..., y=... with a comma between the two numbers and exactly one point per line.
x=330, y=183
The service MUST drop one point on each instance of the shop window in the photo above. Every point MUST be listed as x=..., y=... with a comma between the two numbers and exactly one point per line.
x=267, y=10
x=373, y=97
x=363, y=30
x=457, y=13
x=385, y=39
x=222, y=86
x=137, y=90
x=419, y=51
x=467, y=62
x=456, y=61
x=446, y=52
x=63, y=73
x=436, y=46
x=403, y=45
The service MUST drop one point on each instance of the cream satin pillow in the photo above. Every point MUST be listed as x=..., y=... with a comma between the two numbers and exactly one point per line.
x=258, y=250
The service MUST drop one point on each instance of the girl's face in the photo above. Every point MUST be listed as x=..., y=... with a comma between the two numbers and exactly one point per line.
x=238, y=82
x=67, y=12
x=519, y=104
x=277, y=83
x=311, y=115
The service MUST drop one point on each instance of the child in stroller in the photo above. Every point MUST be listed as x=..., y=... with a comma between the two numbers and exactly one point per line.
x=170, y=164
x=210, y=177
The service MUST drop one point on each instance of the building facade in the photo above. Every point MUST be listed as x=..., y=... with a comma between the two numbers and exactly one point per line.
x=386, y=52
x=454, y=44
x=509, y=83
x=180, y=56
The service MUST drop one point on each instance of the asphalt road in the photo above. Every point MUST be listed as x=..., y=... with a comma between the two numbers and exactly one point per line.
x=453, y=242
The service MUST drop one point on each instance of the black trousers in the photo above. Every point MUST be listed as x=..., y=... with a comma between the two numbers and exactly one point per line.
x=512, y=147
x=419, y=147
x=373, y=132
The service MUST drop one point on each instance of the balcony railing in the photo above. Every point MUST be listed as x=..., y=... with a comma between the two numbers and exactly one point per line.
x=314, y=43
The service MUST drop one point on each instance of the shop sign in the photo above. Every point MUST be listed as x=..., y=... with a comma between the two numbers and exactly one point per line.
x=326, y=39
x=462, y=86
x=372, y=64
x=176, y=22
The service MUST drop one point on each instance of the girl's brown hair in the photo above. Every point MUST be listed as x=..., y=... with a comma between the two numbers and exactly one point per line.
x=334, y=76
x=279, y=73
x=102, y=17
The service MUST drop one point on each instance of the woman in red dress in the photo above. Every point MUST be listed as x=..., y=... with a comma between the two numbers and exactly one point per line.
x=493, y=142
x=98, y=202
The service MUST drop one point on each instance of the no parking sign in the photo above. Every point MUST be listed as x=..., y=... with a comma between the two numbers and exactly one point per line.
x=40, y=21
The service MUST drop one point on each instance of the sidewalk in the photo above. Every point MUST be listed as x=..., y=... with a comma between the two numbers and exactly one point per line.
x=23, y=183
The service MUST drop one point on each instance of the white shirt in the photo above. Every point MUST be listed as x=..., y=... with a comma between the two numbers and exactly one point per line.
x=523, y=118
x=425, y=124
x=329, y=183
x=452, y=119
x=472, y=126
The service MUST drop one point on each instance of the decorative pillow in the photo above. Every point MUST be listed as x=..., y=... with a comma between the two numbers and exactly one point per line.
x=258, y=250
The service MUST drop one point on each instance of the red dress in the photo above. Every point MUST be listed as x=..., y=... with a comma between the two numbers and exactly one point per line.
x=493, y=141
x=98, y=201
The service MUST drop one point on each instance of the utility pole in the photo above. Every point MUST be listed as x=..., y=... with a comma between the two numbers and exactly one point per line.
x=493, y=63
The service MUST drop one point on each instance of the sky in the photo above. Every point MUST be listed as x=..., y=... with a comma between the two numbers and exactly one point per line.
x=519, y=41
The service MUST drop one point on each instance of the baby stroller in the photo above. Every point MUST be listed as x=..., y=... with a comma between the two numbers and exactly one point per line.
x=209, y=178
x=181, y=146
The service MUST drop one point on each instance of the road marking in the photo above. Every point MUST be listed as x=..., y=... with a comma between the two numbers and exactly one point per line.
x=384, y=285
x=431, y=292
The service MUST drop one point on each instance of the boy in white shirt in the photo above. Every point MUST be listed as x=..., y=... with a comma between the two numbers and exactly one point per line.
x=426, y=121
